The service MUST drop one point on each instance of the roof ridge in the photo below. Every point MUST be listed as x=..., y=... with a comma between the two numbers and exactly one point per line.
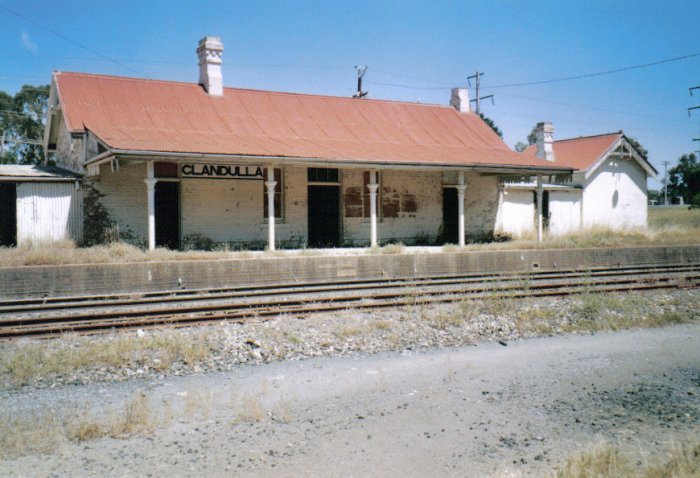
x=316, y=95
x=590, y=136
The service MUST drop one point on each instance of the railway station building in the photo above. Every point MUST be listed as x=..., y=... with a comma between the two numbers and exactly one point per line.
x=175, y=163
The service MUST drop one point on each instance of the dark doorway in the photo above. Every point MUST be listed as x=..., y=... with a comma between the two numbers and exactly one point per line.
x=450, y=220
x=168, y=214
x=324, y=216
x=8, y=214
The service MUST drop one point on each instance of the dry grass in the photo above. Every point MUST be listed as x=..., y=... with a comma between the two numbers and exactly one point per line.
x=606, y=461
x=44, y=433
x=599, y=461
x=32, y=360
x=610, y=312
x=667, y=226
x=660, y=218
x=248, y=407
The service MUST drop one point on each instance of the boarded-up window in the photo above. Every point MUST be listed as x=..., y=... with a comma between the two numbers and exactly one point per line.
x=165, y=170
x=278, y=194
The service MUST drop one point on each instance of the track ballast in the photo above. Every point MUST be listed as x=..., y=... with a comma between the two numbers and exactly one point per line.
x=98, y=314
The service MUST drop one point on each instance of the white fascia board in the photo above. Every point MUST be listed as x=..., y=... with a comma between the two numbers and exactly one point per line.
x=611, y=150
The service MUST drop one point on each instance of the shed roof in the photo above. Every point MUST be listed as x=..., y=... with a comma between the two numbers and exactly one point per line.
x=29, y=172
x=131, y=114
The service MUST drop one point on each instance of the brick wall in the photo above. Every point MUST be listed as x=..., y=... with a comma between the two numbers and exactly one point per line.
x=410, y=207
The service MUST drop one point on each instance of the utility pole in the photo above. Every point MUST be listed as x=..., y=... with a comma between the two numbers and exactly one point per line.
x=360, y=74
x=690, y=90
x=477, y=80
x=665, y=183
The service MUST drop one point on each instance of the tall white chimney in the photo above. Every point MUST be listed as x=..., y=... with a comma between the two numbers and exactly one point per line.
x=460, y=100
x=544, y=137
x=209, y=53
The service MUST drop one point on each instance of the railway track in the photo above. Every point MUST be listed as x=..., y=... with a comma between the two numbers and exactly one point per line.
x=97, y=314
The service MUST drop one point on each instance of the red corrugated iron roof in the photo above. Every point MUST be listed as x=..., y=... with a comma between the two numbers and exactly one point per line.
x=164, y=116
x=579, y=153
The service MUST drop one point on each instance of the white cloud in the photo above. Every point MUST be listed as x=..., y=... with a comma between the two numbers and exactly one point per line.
x=28, y=44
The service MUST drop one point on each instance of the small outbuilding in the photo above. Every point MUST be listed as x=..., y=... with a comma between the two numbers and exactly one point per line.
x=39, y=204
x=608, y=188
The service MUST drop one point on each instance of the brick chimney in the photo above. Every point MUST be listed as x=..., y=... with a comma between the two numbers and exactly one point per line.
x=544, y=137
x=209, y=53
x=460, y=100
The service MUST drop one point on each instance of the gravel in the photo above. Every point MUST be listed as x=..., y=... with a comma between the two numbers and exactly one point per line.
x=225, y=346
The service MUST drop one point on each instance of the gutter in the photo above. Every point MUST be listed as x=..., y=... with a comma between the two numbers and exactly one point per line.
x=351, y=164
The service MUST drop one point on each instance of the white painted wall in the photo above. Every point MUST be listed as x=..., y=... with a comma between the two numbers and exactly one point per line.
x=232, y=210
x=48, y=212
x=615, y=196
x=564, y=211
x=517, y=216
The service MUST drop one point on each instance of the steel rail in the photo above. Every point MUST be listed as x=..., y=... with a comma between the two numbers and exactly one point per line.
x=329, y=294
x=42, y=326
x=178, y=296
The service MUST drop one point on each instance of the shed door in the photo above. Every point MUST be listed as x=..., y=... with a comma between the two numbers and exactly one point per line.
x=8, y=214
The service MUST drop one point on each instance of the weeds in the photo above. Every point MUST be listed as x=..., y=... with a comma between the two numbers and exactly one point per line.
x=159, y=351
x=249, y=408
x=599, y=461
x=44, y=433
x=606, y=461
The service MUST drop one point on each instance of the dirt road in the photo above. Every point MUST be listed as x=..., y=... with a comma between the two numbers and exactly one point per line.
x=471, y=411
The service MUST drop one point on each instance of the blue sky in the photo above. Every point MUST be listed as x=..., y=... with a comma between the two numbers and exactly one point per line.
x=414, y=51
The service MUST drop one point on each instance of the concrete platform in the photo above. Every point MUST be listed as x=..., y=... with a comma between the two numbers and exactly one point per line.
x=54, y=281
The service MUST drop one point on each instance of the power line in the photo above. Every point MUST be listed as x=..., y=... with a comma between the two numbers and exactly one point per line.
x=553, y=80
x=599, y=73
x=594, y=108
x=69, y=40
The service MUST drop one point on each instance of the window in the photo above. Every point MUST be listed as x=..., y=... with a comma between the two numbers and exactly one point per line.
x=278, y=194
x=322, y=175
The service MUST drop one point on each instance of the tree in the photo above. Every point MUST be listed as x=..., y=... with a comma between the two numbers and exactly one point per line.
x=532, y=137
x=520, y=146
x=22, y=117
x=656, y=196
x=491, y=124
x=684, y=180
x=640, y=149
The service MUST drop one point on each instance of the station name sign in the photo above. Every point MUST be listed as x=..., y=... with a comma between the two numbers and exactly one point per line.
x=222, y=171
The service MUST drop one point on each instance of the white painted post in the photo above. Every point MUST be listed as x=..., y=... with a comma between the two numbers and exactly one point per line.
x=539, y=208
x=461, y=187
x=271, y=183
x=151, y=189
x=373, y=186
